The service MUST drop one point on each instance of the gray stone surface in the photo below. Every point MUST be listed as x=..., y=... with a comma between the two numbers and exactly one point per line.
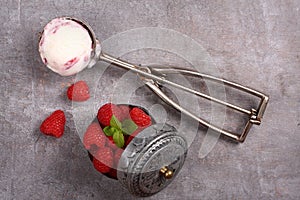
x=255, y=43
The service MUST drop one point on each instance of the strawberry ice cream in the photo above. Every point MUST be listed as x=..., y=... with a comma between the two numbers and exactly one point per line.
x=65, y=46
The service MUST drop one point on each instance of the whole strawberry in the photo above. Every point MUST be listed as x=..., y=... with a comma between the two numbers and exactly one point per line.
x=103, y=160
x=54, y=125
x=78, y=91
x=140, y=117
x=106, y=112
x=94, y=136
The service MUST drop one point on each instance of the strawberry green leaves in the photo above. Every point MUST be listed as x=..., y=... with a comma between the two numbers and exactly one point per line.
x=118, y=129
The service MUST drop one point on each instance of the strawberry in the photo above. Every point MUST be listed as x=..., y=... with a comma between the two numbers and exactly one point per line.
x=106, y=112
x=140, y=117
x=54, y=125
x=103, y=160
x=125, y=110
x=94, y=136
x=78, y=91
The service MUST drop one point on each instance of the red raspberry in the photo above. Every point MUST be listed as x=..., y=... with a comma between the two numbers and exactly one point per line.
x=135, y=133
x=125, y=110
x=103, y=160
x=140, y=117
x=112, y=174
x=54, y=125
x=106, y=112
x=111, y=144
x=78, y=91
x=117, y=157
x=100, y=167
x=94, y=136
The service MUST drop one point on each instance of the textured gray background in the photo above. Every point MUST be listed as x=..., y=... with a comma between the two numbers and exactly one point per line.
x=255, y=43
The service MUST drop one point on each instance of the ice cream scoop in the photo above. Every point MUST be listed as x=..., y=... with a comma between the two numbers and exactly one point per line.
x=66, y=46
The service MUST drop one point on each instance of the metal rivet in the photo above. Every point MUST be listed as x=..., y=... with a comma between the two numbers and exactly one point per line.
x=166, y=172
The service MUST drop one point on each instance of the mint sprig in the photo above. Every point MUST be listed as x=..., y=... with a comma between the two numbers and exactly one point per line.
x=114, y=122
x=128, y=126
x=116, y=129
x=119, y=139
x=110, y=131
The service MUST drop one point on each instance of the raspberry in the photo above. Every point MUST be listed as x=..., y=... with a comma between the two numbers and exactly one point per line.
x=94, y=136
x=100, y=167
x=54, y=125
x=140, y=117
x=125, y=110
x=103, y=160
x=135, y=133
x=78, y=91
x=112, y=174
x=106, y=112
x=117, y=157
x=111, y=144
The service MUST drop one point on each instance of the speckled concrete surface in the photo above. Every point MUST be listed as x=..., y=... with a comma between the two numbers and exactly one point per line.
x=255, y=43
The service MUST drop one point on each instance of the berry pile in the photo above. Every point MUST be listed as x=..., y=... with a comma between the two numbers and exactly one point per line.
x=107, y=137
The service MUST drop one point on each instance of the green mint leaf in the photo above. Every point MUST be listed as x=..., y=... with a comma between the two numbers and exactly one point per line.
x=114, y=122
x=110, y=131
x=128, y=127
x=118, y=138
